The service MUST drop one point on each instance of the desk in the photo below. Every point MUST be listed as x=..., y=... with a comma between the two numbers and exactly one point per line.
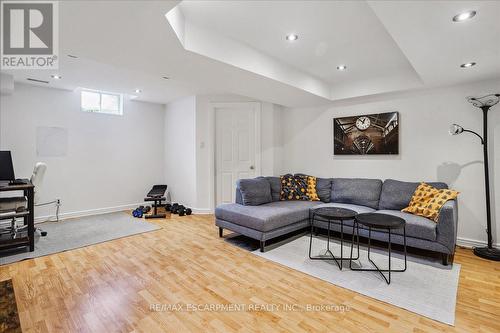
x=29, y=216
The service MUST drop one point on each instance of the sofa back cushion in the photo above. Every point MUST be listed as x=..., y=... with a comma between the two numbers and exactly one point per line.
x=324, y=188
x=275, y=187
x=255, y=191
x=356, y=191
x=397, y=195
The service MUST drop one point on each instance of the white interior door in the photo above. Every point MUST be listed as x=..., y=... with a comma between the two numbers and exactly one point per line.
x=237, y=147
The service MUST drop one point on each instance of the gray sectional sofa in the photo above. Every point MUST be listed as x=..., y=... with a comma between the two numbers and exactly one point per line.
x=258, y=213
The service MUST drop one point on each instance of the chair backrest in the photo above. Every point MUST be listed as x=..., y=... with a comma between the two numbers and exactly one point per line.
x=37, y=177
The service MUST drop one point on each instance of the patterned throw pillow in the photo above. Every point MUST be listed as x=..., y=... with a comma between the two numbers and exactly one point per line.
x=311, y=189
x=428, y=200
x=293, y=188
x=298, y=187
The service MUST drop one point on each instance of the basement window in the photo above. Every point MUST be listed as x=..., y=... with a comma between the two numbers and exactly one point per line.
x=101, y=102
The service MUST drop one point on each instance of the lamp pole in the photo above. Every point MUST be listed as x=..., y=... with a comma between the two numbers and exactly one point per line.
x=485, y=103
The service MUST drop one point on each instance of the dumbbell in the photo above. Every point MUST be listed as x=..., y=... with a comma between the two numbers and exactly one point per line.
x=181, y=212
x=189, y=211
x=179, y=208
x=168, y=207
x=137, y=213
x=146, y=209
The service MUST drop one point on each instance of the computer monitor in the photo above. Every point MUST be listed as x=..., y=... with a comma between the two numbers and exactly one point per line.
x=6, y=167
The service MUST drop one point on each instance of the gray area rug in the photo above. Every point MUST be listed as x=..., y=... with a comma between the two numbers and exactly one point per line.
x=79, y=232
x=426, y=288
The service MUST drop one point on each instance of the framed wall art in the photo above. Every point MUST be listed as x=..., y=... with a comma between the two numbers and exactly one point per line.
x=372, y=134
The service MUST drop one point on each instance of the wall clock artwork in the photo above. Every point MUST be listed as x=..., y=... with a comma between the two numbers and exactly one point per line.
x=373, y=134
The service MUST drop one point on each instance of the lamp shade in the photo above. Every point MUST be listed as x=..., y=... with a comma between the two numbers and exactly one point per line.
x=455, y=129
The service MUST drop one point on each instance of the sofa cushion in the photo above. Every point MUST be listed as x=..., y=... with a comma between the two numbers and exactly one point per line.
x=275, y=187
x=255, y=191
x=416, y=226
x=396, y=194
x=356, y=191
x=324, y=188
x=358, y=209
x=266, y=217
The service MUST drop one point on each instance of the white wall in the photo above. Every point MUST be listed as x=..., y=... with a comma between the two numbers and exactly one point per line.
x=271, y=143
x=272, y=139
x=111, y=161
x=180, y=153
x=427, y=151
x=189, y=147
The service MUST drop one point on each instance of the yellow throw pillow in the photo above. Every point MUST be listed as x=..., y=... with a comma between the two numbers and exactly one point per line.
x=311, y=189
x=427, y=201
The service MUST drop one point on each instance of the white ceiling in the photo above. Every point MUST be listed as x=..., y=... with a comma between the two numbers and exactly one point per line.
x=330, y=33
x=436, y=46
x=238, y=47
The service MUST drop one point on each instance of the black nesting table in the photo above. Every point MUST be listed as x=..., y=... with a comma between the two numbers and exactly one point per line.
x=332, y=215
x=384, y=222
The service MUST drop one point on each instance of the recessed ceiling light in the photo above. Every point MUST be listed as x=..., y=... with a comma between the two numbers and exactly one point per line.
x=341, y=67
x=55, y=76
x=468, y=65
x=138, y=91
x=292, y=37
x=464, y=16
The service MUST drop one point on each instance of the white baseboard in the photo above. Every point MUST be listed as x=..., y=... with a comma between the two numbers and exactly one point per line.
x=203, y=211
x=89, y=212
x=98, y=211
x=470, y=243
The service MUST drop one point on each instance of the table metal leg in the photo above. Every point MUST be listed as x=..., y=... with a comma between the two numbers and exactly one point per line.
x=311, y=223
x=377, y=269
x=332, y=257
x=31, y=219
x=341, y=243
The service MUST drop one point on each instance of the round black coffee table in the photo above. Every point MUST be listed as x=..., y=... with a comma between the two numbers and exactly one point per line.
x=332, y=215
x=386, y=223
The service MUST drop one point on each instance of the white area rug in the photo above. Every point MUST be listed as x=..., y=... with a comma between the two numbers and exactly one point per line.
x=426, y=287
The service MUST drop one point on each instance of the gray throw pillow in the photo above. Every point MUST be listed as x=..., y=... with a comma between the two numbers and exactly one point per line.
x=255, y=192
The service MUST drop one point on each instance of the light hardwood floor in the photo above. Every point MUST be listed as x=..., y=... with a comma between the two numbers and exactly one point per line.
x=110, y=287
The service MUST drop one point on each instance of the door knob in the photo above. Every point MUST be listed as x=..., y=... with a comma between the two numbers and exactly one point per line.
x=252, y=167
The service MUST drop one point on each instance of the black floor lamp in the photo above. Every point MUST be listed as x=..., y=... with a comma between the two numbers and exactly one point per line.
x=484, y=103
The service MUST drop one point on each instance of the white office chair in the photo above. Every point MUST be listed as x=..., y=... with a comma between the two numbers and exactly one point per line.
x=19, y=203
x=37, y=180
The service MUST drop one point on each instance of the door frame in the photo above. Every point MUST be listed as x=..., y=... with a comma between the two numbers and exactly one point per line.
x=257, y=107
